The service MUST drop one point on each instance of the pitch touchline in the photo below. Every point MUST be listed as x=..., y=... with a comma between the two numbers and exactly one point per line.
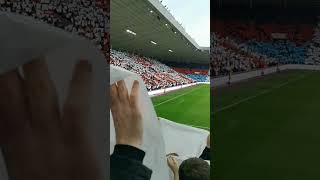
x=176, y=97
x=259, y=94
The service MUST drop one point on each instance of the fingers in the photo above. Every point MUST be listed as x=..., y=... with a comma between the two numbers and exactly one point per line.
x=119, y=93
x=41, y=97
x=122, y=91
x=126, y=117
x=12, y=106
x=13, y=122
x=175, y=160
x=134, y=101
x=172, y=154
x=77, y=106
x=134, y=96
x=171, y=160
x=114, y=101
x=114, y=95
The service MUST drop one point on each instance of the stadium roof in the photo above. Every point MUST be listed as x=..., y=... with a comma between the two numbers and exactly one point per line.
x=145, y=27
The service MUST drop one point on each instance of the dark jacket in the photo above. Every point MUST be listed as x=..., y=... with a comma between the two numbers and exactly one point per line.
x=205, y=154
x=126, y=164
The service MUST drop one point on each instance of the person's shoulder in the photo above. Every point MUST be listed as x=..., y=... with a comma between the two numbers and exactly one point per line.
x=123, y=167
x=126, y=161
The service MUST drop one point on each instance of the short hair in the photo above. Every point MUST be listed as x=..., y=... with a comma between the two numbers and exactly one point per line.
x=194, y=169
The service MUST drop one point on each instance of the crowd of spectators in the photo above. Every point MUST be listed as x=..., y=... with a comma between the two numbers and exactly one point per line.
x=228, y=56
x=155, y=74
x=199, y=77
x=197, y=74
x=313, y=52
x=241, y=47
x=286, y=52
x=83, y=17
x=90, y=19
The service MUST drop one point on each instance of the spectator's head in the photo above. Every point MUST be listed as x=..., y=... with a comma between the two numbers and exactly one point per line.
x=194, y=169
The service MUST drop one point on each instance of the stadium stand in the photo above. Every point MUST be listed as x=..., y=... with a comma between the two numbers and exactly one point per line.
x=198, y=77
x=241, y=46
x=155, y=74
x=227, y=55
x=192, y=71
x=313, y=53
x=83, y=17
x=87, y=19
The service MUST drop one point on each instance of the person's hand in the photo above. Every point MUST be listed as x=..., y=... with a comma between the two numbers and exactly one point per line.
x=173, y=164
x=38, y=141
x=126, y=114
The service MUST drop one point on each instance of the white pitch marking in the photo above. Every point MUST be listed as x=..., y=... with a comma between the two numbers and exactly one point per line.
x=259, y=94
x=201, y=127
x=177, y=97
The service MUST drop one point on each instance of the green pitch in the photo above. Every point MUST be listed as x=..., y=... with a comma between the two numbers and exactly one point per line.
x=189, y=106
x=268, y=128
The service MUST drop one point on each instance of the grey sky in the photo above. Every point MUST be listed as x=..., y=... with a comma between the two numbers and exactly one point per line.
x=194, y=16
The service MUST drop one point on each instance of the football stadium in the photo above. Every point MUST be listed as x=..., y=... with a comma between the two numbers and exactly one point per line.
x=165, y=56
x=170, y=62
x=150, y=45
x=264, y=78
x=141, y=41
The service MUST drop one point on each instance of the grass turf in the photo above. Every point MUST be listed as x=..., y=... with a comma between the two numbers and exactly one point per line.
x=189, y=106
x=273, y=133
